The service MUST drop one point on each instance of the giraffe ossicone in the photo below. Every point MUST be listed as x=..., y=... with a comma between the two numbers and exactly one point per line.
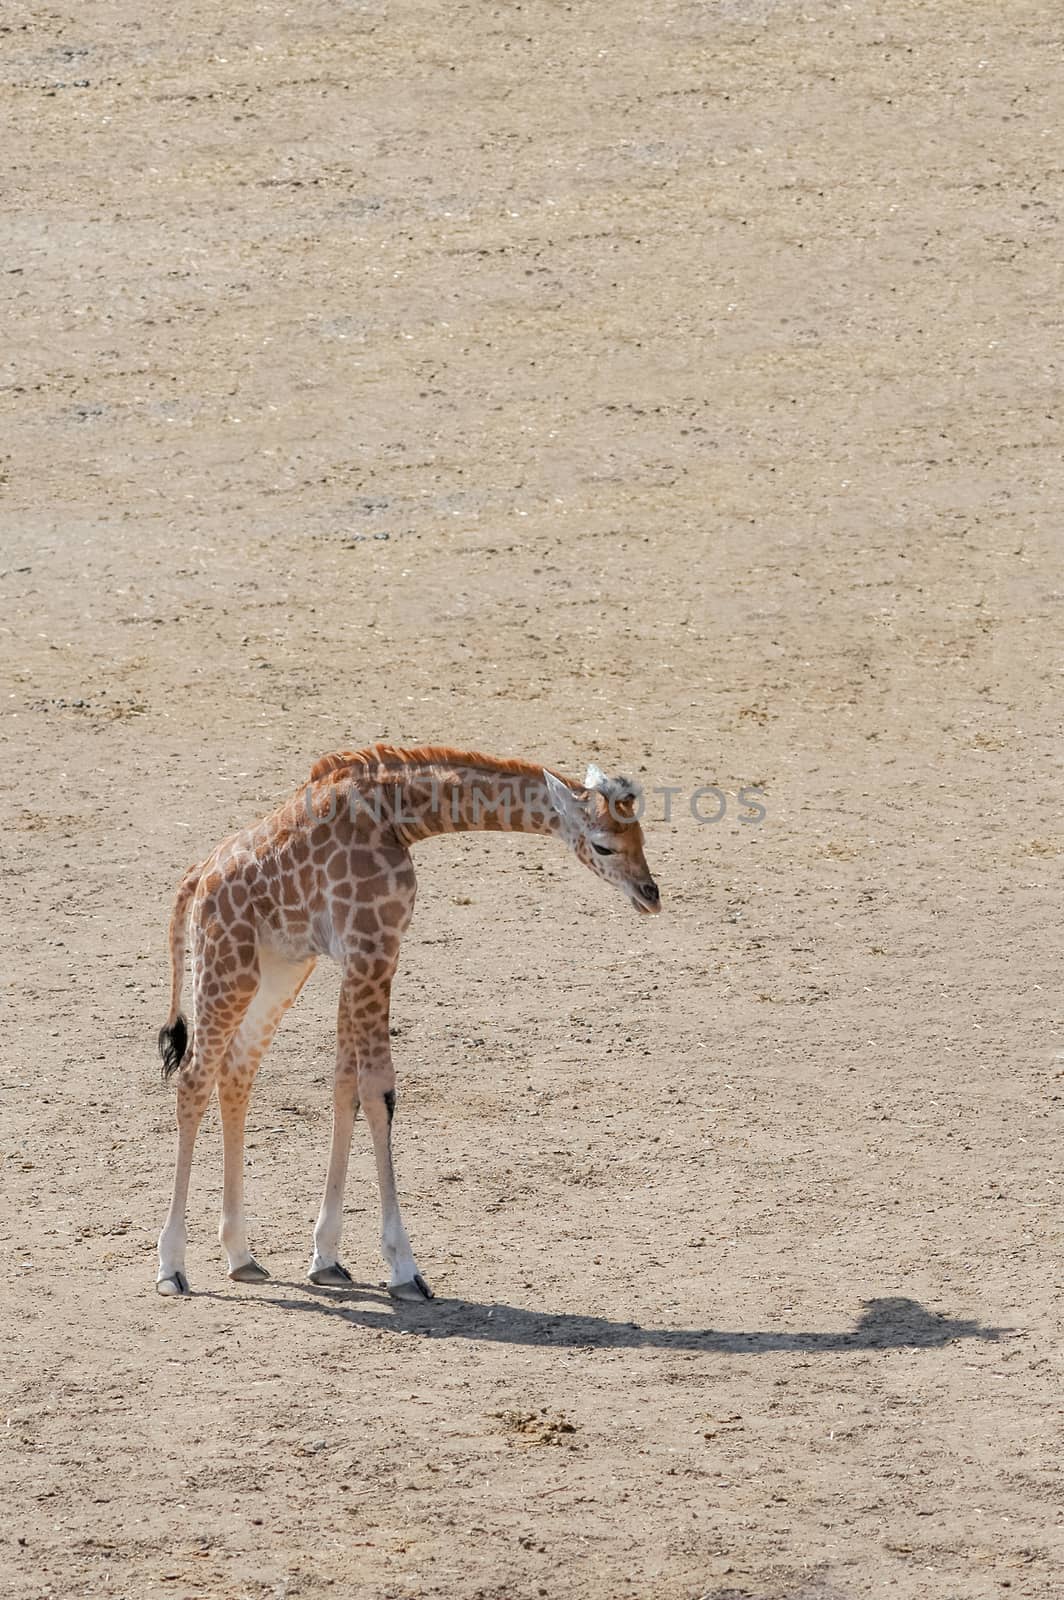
x=329, y=873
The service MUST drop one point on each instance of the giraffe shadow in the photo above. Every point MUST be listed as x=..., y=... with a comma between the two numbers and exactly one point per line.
x=889, y=1323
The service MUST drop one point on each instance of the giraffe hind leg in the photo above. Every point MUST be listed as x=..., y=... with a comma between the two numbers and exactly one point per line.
x=217, y=1021
x=279, y=983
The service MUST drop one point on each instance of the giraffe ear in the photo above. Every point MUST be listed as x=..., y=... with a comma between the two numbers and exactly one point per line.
x=595, y=778
x=565, y=801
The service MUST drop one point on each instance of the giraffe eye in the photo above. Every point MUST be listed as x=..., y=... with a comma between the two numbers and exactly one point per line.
x=602, y=849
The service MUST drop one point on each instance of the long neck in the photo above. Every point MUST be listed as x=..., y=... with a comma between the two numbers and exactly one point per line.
x=425, y=797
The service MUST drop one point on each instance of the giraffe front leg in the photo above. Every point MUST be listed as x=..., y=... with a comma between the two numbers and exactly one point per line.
x=364, y=1075
x=377, y=1090
x=358, y=996
x=326, y=1269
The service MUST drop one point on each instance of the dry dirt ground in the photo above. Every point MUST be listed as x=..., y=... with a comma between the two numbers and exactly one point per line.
x=671, y=384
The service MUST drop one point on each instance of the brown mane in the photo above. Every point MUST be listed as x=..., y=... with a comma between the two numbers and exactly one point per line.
x=390, y=756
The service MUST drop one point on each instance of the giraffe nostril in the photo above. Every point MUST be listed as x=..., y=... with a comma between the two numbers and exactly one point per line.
x=650, y=892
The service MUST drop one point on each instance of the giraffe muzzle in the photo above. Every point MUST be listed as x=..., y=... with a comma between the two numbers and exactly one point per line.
x=646, y=897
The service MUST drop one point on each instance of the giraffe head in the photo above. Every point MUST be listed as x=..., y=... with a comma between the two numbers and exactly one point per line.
x=600, y=826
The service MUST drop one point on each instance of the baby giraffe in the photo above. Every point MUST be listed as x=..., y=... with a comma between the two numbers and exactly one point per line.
x=330, y=874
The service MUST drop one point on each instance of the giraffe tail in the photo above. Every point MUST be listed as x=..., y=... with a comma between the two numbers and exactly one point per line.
x=174, y=1037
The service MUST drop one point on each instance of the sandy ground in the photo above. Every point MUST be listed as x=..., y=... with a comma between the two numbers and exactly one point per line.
x=673, y=385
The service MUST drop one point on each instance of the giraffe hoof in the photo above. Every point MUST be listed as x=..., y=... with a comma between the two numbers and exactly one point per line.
x=331, y=1277
x=414, y=1288
x=250, y=1272
x=176, y=1283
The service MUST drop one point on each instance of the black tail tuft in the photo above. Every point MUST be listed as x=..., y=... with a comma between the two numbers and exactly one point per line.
x=173, y=1042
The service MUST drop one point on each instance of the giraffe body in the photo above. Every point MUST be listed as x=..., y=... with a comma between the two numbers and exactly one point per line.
x=330, y=874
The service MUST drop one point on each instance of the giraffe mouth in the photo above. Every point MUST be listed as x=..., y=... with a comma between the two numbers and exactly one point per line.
x=647, y=908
